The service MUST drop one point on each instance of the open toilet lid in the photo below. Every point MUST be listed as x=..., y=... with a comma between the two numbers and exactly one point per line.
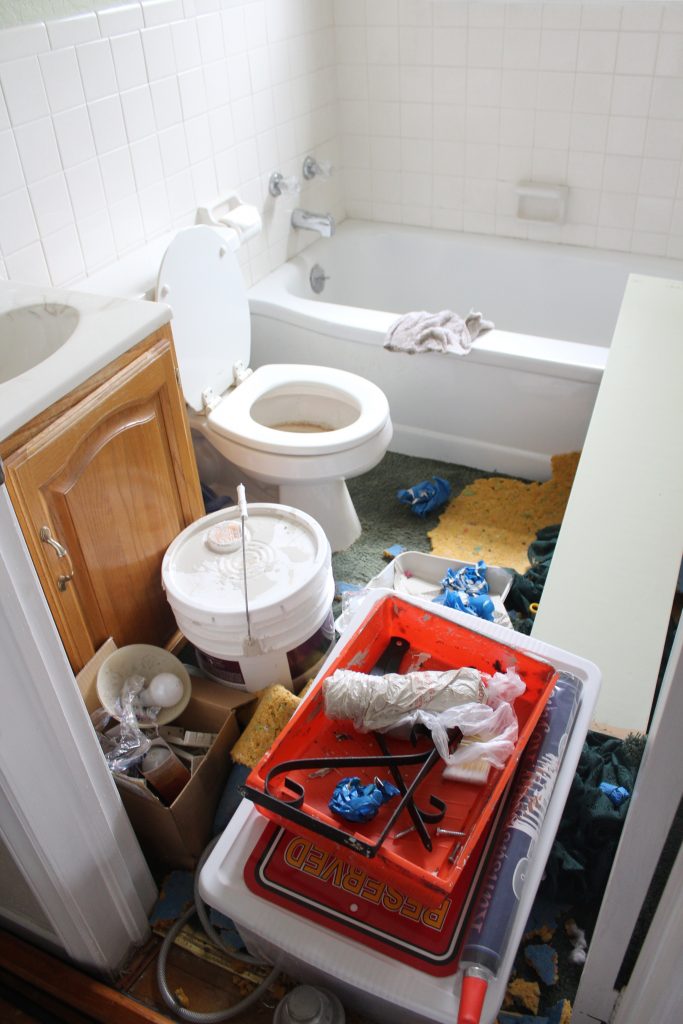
x=200, y=279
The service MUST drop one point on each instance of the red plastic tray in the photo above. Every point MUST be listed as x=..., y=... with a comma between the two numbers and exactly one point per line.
x=429, y=875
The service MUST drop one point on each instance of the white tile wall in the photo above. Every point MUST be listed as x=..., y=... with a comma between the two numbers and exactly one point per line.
x=445, y=106
x=115, y=125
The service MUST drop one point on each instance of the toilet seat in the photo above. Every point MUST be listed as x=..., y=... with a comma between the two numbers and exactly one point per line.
x=233, y=417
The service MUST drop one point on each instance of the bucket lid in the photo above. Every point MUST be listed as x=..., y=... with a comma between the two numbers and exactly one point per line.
x=287, y=556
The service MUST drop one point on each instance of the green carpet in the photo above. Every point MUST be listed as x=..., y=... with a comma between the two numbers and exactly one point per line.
x=385, y=520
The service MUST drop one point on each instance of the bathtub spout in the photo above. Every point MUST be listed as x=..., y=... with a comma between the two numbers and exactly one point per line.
x=321, y=222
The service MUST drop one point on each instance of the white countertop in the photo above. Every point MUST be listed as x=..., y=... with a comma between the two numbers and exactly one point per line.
x=106, y=328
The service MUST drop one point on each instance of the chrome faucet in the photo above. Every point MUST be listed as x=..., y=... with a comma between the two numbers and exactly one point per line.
x=321, y=222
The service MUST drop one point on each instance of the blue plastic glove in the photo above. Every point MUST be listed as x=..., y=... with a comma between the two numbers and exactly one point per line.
x=474, y=604
x=617, y=794
x=426, y=497
x=469, y=578
x=355, y=802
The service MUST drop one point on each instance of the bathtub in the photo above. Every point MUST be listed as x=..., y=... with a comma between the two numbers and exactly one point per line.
x=526, y=390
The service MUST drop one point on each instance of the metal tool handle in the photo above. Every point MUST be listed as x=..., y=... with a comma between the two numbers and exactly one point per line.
x=244, y=514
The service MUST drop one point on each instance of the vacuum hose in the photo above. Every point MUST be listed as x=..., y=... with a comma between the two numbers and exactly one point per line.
x=200, y=910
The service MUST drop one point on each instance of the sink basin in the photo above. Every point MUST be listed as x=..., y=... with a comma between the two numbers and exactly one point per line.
x=29, y=334
x=54, y=339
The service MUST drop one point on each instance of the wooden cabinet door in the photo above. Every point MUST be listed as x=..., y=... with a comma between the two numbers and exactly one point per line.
x=114, y=480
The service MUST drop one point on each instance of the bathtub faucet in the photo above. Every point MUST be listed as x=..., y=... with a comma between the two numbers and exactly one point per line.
x=321, y=222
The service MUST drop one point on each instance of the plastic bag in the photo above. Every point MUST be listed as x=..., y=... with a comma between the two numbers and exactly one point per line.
x=480, y=605
x=469, y=578
x=131, y=697
x=351, y=601
x=125, y=745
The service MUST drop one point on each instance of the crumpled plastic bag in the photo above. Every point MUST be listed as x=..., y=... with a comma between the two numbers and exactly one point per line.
x=469, y=578
x=130, y=698
x=124, y=745
x=426, y=497
x=479, y=605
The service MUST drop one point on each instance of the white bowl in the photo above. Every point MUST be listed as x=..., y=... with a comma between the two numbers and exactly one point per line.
x=141, y=660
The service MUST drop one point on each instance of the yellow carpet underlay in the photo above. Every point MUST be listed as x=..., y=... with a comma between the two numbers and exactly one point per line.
x=497, y=519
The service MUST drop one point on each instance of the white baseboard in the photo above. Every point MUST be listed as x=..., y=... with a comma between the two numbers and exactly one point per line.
x=463, y=451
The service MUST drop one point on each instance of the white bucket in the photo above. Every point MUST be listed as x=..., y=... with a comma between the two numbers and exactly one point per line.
x=289, y=591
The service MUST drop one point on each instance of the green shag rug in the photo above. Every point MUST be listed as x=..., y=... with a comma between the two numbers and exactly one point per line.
x=385, y=520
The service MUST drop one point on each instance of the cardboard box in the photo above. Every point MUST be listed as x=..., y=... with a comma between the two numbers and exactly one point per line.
x=175, y=836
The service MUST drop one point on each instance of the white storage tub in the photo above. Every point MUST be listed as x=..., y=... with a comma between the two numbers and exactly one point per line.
x=419, y=574
x=363, y=978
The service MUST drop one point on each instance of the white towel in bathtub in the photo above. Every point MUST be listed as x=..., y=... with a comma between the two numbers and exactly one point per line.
x=435, y=332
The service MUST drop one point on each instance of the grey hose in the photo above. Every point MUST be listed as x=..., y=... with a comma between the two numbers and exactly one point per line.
x=200, y=910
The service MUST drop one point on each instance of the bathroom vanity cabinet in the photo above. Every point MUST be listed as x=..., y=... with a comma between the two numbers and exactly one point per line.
x=101, y=482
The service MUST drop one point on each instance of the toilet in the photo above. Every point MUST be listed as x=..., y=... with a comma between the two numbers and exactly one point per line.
x=304, y=429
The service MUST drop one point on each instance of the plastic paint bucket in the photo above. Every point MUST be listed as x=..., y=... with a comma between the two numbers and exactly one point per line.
x=289, y=592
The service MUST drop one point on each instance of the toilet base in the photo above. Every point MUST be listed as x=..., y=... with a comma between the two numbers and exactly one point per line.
x=330, y=505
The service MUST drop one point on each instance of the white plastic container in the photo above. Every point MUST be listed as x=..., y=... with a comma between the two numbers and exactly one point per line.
x=363, y=978
x=289, y=594
x=420, y=575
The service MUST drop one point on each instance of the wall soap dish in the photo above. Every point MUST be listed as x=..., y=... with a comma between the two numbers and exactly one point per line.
x=542, y=202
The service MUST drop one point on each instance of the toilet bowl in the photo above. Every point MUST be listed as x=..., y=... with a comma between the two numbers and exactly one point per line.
x=304, y=429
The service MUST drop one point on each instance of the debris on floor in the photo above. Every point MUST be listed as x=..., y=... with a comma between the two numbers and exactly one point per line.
x=341, y=588
x=520, y=1018
x=391, y=552
x=182, y=998
x=581, y=856
x=425, y=497
x=527, y=588
x=577, y=937
x=543, y=920
x=617, y=794
x=560, y=1013
x=522, y=994
x=542, y=958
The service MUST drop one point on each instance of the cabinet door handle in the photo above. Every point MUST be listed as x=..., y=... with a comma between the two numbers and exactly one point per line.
x=47, y=538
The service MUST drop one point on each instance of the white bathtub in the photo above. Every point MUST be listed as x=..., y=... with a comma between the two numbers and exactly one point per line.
x=525, y=391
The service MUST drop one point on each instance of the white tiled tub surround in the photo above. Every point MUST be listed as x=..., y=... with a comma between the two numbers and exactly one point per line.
x=116, y=124
x=445, y=106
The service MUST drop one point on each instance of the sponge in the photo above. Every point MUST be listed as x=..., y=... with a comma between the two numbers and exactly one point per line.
x=275, y=707
x=560, y=1013
x=543, y=959
x=524, y=993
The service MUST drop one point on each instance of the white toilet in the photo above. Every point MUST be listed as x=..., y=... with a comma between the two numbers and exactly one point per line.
x=302, y=428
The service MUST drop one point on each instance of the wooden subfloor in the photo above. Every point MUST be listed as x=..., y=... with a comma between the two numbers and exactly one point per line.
x=37, y=987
